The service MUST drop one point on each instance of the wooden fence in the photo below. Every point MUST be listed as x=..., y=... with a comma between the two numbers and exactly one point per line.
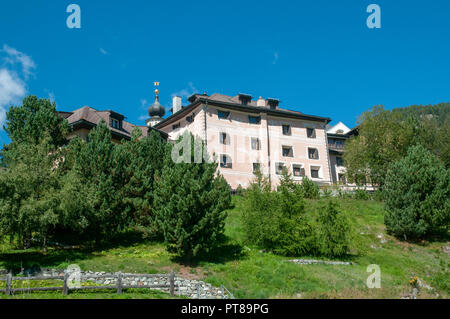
x=66, y=288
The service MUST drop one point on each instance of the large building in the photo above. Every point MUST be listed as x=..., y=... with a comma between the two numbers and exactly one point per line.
x=82, y=120
x=337, y=137
x=247, y=135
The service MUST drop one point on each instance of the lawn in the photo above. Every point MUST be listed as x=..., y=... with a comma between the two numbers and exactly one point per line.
x=249, y=272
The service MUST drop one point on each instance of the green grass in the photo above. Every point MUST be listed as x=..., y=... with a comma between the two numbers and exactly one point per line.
x=250, y=273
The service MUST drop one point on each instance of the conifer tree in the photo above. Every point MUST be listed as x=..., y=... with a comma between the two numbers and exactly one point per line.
x=190, y=203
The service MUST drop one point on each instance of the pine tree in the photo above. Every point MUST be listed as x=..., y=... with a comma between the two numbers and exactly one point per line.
x=190, y=203
x=416, y=192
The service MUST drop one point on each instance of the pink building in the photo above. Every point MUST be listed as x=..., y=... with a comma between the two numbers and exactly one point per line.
x=246, y=135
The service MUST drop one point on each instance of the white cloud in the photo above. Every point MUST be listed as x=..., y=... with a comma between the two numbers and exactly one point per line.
x=275, y=58
x=143, y=117
x=103, y=51
x=12, y=89
x=187, y=92
x=12, y=85
x=17, y=57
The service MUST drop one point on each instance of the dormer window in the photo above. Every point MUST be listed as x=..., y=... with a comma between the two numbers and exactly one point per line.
x=273, y=103
x=245, y=99
x=115, y=123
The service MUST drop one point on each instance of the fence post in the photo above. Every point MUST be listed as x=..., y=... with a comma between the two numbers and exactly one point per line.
x=223, y=292
x=66, y=287
x=172, y=283
x=8, y=284
x=119, y=283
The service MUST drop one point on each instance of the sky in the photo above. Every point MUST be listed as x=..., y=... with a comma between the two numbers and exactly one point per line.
x=317, y=57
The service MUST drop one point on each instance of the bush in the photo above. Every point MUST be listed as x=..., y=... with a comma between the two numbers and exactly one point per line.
x=361, y=194
x=310, y=189
x=276, y=220
x=417, y=190
x=333, y=231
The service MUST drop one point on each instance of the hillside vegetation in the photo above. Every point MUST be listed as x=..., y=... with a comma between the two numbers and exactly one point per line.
x=249, y=272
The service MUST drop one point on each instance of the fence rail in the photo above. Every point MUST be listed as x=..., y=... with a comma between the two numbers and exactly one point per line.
x=66, y=288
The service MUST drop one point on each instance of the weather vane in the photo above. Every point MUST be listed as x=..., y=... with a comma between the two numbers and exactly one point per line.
x=156, y=84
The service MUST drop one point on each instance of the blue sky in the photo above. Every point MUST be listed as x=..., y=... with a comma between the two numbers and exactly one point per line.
x=317, y=57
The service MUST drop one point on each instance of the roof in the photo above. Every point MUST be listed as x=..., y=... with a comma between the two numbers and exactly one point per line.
x=89, y=117
x=233, y=102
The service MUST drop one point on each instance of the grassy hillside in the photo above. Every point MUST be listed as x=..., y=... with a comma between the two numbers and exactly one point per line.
x=249, y=272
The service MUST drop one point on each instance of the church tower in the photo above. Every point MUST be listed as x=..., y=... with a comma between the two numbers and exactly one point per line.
x=156, y=111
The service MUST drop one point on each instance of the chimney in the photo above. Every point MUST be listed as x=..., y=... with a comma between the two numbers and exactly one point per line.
x=261, y=102
x=176, y=104
x=273, y=103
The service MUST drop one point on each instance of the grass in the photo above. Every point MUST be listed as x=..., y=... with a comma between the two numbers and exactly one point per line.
x=249, y=272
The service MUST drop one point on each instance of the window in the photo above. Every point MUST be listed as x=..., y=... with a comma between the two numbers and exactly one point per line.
x=298, y=170
x=115, y=123
x=339, y=161
x=256, y=145
x=288, y=151
x=223, y=115
x=279, y=167
x=225, y=161
x=224, y=138
x=313, y=153
x=340, y=143
x=176, y=126
x=190, y=119
x=342, y=179
x=340, y=132
x=256, y=167
x=311, y=132
x=254, y=119
x=315, y=172
x=286, y=129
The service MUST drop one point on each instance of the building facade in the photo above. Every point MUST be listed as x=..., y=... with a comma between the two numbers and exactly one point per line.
x=245, y=135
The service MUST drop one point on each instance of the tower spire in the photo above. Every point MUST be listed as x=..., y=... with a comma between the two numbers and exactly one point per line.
x=156, y=111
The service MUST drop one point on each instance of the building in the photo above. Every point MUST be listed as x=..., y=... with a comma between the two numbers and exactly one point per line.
x=337, y=137
x=82, y=120
x=246, y=135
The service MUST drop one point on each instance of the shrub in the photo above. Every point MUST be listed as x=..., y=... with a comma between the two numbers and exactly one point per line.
x=417, y=190
x=361, y=194
x=334, y=232
x=310, y=189
x=327, y=192
x=276, y=220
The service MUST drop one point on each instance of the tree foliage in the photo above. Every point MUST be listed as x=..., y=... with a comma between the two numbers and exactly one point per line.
x=417, y=193
x=35, y=120
x=190, y=203
x=385, y=136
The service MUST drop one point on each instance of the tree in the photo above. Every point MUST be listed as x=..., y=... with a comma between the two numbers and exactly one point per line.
x=190, y=203
x=310, y=189
x=385, y=137
x=334, y=232
x=96, y=172
x=143, y=159
x=416, y=193
x=29, y=205
x=30, y=177
x=277, y=220
x=35, y=120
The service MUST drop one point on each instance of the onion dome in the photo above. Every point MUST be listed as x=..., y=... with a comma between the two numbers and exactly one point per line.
x=156, y=109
